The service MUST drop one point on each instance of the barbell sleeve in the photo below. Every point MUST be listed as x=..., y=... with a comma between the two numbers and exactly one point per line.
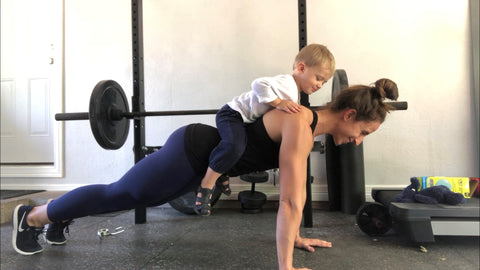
x=71, y=116
x=399, y=105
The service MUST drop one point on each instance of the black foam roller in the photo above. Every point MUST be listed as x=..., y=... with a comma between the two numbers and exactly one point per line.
x=344, y=163
x=352, y=177
x=333, y=173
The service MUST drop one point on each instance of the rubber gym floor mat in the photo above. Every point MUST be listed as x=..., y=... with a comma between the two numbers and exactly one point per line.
x=230, y=239
x=7, y=194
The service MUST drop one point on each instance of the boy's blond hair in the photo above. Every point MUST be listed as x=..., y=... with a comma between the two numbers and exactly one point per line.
x=315, y=54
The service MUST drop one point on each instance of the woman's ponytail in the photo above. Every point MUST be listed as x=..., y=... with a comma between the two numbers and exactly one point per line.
x=368, y=101
x=386, y=88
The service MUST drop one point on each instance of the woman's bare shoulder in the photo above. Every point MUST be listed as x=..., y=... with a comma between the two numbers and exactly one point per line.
x=302, y=118
x=304, y=115
x=278, y=122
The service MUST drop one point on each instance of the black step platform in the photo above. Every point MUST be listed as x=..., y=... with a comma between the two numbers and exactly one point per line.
x=421, y=222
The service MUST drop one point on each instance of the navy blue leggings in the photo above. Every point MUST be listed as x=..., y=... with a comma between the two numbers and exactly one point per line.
x=155, y=180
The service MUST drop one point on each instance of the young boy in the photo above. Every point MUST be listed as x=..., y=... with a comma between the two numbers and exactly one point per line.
x=313, y=66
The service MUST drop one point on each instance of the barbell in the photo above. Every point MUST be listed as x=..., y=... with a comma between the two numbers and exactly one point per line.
x=109, y=114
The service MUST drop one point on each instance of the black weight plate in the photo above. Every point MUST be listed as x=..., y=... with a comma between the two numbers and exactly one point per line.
x=108, y=95
x=252, y=199
x=255, y=177
x=186, y=202
x=374, y=219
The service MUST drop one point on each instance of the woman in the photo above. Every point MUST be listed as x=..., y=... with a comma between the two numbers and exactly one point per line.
x=278, y=140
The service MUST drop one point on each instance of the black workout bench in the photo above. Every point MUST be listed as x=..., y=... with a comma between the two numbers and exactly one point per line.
x=418, y=222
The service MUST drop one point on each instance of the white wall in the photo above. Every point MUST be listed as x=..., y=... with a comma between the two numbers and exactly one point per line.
x=199, y=54
x=424, y=46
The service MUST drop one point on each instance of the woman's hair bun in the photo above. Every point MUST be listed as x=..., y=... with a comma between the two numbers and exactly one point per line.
x=386, y=88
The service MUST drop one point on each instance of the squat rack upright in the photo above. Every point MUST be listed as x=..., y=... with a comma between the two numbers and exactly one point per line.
x=138, y=98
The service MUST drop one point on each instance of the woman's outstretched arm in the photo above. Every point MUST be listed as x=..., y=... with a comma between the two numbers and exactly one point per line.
x=296, y=144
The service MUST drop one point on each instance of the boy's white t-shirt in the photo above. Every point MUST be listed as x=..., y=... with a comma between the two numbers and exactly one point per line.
x=253, y=104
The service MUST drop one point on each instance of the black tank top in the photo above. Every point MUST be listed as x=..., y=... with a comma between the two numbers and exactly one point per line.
x=261, y=153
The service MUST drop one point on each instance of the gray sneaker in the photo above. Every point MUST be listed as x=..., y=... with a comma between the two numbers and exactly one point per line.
x=24, y=237
x=54, y=235
x=54, y=231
